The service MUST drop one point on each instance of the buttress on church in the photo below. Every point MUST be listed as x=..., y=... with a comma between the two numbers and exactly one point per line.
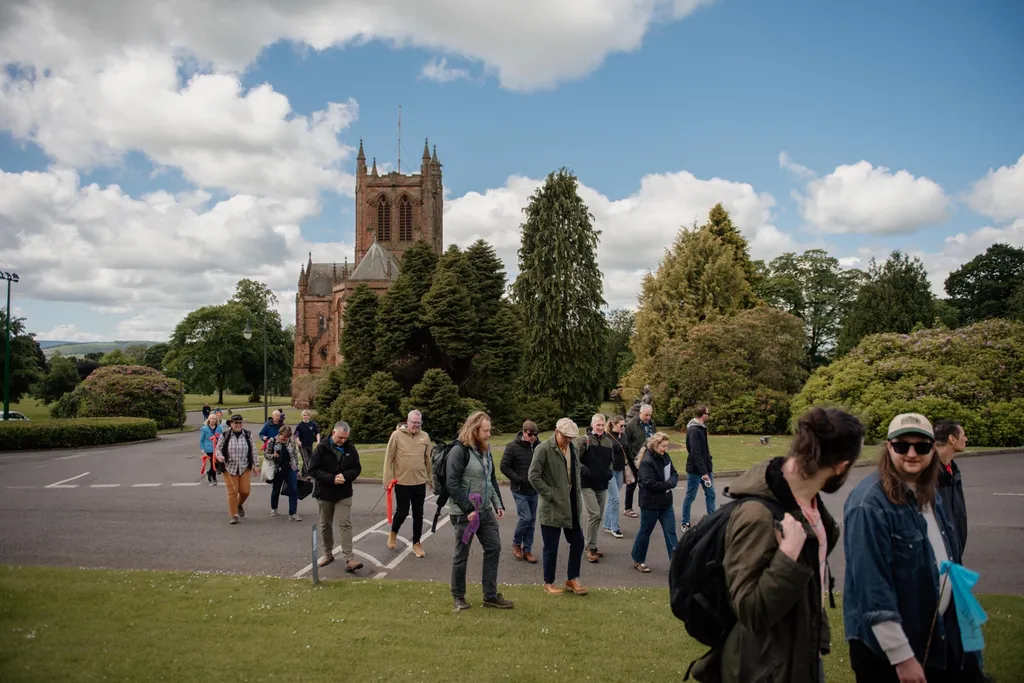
x=393, y=211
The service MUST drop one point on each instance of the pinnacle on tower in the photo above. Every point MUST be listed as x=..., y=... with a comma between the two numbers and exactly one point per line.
x=374, y=171
x=434, y=160
x=426, y=150
x=362, y=155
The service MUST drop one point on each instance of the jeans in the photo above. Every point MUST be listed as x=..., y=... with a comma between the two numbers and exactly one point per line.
x=694, y=482
x=280, y=477
x=552, y=536
x=340, y=513
x=526, y=507
x=489, y=539
x=238, y=487
x=406, y=496
x=593, y=504
x=611, y=510
x=649, y=517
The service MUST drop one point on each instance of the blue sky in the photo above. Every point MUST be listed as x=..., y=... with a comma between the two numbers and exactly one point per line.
x=932, y=88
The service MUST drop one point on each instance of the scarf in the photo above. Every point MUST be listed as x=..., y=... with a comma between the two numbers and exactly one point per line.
x=474, y=525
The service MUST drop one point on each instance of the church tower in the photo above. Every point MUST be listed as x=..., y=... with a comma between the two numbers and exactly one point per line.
x=396, y=210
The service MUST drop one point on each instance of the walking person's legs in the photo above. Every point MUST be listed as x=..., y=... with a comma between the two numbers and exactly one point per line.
x=592, y=510
x=402, y=502
x=576, y=544
x=490, y=540
x=709, y=494
x=326, y=524
x=692, y=484
x=417, y=496
x=667, y=519
x=550, y=537
x=648, y=518
x=529, y=531
x=244, y=483
x=460, y=559
x=292, y=478
x=343, y=517
x=275, y=490
x=611, y=510
x=523, y=515
x=231, y=486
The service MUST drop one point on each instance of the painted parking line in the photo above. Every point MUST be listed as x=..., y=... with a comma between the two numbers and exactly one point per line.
x=63, y=483
x=145, y=486
x=1008, y=494
x=103, y=486
x=191, y=483
x=299, y=574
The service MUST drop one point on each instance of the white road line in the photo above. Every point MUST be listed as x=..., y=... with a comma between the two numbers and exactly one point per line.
x=191, y=483
x=79, y=455
x=21, y=487
x=103, y=486
x=337, y=549
x=144, y=486
x=1008, y=494
x=367, y=556
x=380, y=575
x=406, y=541
x=61, y=484
x=405, y=553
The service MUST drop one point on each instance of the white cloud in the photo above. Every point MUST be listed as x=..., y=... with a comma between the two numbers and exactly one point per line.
x=635, y=230
x=68, y=332
x=861, y=198
x=1000, y=194
x=438, y=70
x=798, y=170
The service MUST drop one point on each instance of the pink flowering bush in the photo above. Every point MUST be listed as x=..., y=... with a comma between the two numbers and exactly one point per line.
x=974, y=375
x=131, y=391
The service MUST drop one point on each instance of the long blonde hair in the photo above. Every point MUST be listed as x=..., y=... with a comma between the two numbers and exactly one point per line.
x=470, y=432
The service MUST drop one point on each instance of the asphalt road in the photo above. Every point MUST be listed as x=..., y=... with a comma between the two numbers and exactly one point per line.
x=146, y=506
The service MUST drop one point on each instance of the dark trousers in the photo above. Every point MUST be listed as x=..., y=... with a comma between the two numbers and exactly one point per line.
x=870, y=668
x=649, y=518
x=551, y=537
x=404, y=497
x=211, y=472
x=285, y=474
x=490, y=541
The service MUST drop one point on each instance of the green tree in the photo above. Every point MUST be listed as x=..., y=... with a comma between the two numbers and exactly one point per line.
x=330, y=387
x=359, y=336
x=154, y=356
x=721, y=226
x=618, y=356
x=895, y=297
x=25, y=367
x=559, y=292
x=983, y=287
x=486, y=279
x=116, y=357
x=496, y=366
x=813, y=287
x=136, y=354
x=61, y=378
x=1017, y=304
x=418, y=265
x=448, y=313
x=399, y=348
x=258, y=300
x=88, y=363
x=212, y=337
x=437, y=397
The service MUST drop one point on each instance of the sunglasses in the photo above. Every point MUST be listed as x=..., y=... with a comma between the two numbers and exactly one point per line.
x=531, y=433
x=921, y=447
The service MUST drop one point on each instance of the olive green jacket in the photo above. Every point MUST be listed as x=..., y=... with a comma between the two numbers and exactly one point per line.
x=549, y=477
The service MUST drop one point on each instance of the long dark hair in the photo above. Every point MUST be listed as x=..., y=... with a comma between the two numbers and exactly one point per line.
x=825, y=438
x=896, y=489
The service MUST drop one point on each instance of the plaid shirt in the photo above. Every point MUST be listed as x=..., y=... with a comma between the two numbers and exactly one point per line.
x=238, y=455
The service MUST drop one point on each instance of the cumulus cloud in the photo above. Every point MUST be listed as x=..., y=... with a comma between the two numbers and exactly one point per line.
x=1000, y=194
x=798, y=170
x=439, y=71
x=67, y=333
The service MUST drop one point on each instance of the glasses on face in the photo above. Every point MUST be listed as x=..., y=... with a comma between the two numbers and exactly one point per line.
x=531, y=434
x=903, y=447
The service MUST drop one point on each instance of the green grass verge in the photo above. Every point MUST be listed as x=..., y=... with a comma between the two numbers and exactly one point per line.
x=68, y=624
x=39, y=412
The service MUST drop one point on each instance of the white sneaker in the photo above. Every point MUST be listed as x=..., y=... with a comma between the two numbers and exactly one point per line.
x=274, y=513
x=294, y=518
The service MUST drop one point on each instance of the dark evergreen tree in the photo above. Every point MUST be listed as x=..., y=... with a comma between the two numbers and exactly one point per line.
x=437, y=397
x=486, y=279
x=154, y=356
x=618, y=357
x=720, y=225
x=359, y=336
x=419, y=262
x=559, y=292
x=448, y=313
x=983, y=287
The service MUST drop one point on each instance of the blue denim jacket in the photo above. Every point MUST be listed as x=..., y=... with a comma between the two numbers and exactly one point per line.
x=888, y=566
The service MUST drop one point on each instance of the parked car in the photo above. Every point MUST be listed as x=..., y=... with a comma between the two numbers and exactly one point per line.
x=13, y=415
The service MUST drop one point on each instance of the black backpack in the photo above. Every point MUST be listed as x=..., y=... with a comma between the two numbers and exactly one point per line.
x=439, y=471
x=698, y=593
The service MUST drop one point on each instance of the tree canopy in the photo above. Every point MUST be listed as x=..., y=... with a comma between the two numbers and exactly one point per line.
x=985, y=286
x=27, y=361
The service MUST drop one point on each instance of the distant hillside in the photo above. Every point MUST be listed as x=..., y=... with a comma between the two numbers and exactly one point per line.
x=81, y=348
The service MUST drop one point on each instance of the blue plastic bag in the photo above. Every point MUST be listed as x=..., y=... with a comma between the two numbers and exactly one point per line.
x=969, y=612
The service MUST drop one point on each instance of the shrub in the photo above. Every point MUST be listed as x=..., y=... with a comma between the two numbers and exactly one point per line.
x=131, y=391
x=67, y=406
x=328, y=387
x=544, y=411
x=74, y=433
x=974, y=375
x=761, y=412
x=437, y=397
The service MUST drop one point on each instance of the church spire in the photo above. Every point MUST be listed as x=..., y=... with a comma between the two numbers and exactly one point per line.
x=362, y=155
x=426, y=150
x=434, y=160
x=374, y=171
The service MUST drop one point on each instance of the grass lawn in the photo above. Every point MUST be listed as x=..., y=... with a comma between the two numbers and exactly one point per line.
x=73, y=624
x=36, y=411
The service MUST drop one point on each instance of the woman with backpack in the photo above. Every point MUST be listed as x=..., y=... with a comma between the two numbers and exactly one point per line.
x=777, y=536
x=284, y=453
x=236, y=460
x=657, y=477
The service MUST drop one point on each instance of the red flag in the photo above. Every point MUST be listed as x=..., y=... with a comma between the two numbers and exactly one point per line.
x=391, y=502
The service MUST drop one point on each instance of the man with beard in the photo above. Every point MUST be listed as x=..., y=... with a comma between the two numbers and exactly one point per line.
x=777, y=573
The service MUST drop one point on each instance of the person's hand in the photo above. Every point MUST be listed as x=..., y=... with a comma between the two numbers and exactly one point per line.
x=339, y=479
x=791, y=539
x=471, y=516
x=910, y=671
x=220, y=458
x=501, y=513
x=707, y=480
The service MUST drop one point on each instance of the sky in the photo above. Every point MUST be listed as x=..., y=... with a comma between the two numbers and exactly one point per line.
x=154, y=152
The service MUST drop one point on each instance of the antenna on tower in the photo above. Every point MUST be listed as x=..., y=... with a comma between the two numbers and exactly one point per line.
x=399, y=138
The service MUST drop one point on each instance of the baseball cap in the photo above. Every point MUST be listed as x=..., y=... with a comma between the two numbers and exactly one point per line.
x=910, y=423
x=567, y=428
x=530, y=427
x=236, y=418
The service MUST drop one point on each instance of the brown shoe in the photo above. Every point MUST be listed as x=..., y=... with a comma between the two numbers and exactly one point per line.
x=530, y=558
x=576, y=587
x=517, y=551
x=598, y=552
x=417, y=550
x=552, y=589
x=325, y=560
x=592, y=556
x=392, y=540
x=352, y=565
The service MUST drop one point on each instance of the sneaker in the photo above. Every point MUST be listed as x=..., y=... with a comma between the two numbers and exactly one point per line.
x=241, y=510
x=274, y=513
x=684, y=528
x=294, y=518
x=461, y=605
x=392, y=540
x=631, y=513
x=233, y=520
x=212, y=483
x=498, y=602
x=616, y=534
x=417, y=550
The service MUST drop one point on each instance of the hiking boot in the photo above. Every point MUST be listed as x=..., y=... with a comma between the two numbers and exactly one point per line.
x=576, y=587
x=417, y=550
x=528, y=556
x=325, y=560
x=294, y=518
x=233, y=520
x=592, y=556
x=498, y=602
x=517, y=551
x=241, y=510
x=598, y=552
x=461, y=604
x=552, y=589
x=274, y=513
x=392, y=540
x=352, y=565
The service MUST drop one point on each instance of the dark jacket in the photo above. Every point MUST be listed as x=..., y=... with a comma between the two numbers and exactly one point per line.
x=781, y=626
x=620, y=451
x=549, y=476
x=698, y=458
x=515, y=465
x=951, y=488
x=470, y=471
x=655, y=488
x=595, y=453
x=271, y=430
x=329, y=460
x=636, y=436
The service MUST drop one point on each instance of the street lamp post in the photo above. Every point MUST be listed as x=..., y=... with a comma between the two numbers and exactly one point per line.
x=10, y=277
x=247, y=333
x=181, y=391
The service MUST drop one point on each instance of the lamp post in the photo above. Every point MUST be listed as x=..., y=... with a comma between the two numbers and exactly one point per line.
x=181, y=391
x=247, y=333
x=10, y=277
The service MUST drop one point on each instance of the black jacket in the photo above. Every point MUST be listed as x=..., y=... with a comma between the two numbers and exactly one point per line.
x=655, y=489
x=620, y=451
x=698, y=459
x=596, y=453
x=515, y=465
x=326, y=462
x=951, y=490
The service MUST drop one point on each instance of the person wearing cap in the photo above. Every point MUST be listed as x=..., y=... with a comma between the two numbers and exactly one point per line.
x=950, y=439
x=900, y=620
x=555, y=475
x=236, y=460
x=515, y=465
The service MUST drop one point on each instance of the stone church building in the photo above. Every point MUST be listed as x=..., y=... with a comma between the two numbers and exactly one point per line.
x=392, y=212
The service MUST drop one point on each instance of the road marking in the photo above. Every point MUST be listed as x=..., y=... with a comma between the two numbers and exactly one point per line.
x=191, y=483
x=1008, y=494
x=144, y=486
x=21, y=487
x=367, y=556
x=380, y=575
x=337, y=549
x=61, y=484
x=78, y=455
x=405, y=553
x=103, y=486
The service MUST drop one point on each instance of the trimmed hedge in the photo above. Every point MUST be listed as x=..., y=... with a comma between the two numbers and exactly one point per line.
x=97, y=431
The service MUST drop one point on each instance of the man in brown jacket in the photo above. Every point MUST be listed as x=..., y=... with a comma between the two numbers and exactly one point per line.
x=408, y=460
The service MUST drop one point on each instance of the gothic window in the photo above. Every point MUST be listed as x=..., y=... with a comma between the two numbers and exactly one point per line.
x=383, y=220
x=323, y=353
x=404, y=219
x=322, y=325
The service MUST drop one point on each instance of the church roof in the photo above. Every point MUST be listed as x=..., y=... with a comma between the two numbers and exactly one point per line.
x=378, y=264
x=321, y=277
